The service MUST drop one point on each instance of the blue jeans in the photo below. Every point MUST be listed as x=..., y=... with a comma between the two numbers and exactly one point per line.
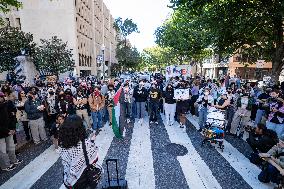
x=140, y=109
x=258, y=117
x=278, y=128
x=97, y=119
x=203, y=112
x=269, y=174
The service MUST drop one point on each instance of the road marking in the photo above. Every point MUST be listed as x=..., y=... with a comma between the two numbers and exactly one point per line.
x=197, y=173
x=103, y=141
x=239, y=162
x=27, y=176
x=140, y=167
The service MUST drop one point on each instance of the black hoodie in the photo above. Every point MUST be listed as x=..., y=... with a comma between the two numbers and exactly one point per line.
x=169, y=96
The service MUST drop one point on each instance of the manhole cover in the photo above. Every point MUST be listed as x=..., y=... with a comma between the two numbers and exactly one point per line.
x=176, y=149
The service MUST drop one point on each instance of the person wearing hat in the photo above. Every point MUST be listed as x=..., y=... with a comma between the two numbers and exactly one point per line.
x=8, y=160
x=34, y=109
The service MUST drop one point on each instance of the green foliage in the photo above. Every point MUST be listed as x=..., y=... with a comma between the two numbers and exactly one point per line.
x=127, y=56
x=54, y=56
x=6, y=5
x=12, y=40
x=155, y=58
x=254, y=28
x=125, y=27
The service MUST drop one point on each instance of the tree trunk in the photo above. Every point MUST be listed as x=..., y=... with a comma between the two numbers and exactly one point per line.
x=277, y=60
x=200, y=64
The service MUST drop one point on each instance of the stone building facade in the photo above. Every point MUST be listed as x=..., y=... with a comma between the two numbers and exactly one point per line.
x=85, y=24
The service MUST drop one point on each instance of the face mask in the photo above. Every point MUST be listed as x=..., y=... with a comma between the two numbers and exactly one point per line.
x=96, y=93
x=51, y=93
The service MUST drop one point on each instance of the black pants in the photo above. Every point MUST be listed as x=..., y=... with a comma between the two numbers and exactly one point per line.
x=153, y=111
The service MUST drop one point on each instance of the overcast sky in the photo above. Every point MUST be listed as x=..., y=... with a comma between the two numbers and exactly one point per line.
x=148, y=14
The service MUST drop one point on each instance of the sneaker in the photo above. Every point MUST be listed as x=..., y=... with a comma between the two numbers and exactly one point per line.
x=151, y=122
x=18, y=162
x=128, y=120
x=157, y=123
x=181, y=126
x=12, y=167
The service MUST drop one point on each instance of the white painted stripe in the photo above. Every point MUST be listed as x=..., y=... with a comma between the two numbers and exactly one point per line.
x=26, y=177
x=140, y=171
x=240, y=163
x=103, y=141
x=197, y=173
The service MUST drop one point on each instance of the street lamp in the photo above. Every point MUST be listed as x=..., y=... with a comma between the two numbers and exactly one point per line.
x=103, y=54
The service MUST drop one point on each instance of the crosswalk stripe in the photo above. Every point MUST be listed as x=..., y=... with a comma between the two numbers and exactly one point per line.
x=239, y=162
x=103, y=141
x=26, y=177
x=140, y=171
x=197, y=173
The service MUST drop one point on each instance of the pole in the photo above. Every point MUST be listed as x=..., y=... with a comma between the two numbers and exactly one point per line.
x=103, y=52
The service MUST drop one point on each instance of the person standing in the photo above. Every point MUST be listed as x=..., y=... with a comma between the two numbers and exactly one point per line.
x=140, y=95
x=97, y=103
x=126, y=100
x=182, y=104
x=154, y=99
x=109, y=101
x=34, y=109
x=8, y=159
x=22, y=115
x=205, y=101
x=81, y=102
x=170, y=105
x=51, y=107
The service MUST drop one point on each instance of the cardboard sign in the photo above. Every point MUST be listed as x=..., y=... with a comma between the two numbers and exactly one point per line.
x=181, y=94
x=178, y=70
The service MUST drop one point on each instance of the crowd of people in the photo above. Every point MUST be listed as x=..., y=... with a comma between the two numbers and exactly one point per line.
x=44, y=110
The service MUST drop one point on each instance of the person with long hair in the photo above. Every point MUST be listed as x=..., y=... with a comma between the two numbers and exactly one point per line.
x=72, y=135
x=22, y=115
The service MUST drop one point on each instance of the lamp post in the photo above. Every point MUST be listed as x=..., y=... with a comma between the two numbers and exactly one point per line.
x=103, y=54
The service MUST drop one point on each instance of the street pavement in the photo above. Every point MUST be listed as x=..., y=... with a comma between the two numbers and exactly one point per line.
x=150, y=156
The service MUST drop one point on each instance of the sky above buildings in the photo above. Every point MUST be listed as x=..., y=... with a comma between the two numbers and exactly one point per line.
x=148, y=14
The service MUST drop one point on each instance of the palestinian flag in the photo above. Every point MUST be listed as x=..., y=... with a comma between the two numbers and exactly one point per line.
x=116, y=114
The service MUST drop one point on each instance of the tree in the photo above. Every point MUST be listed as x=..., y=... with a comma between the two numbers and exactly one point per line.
x=127, y=56
x=253, y=28
x=184, y=36
x=155, y=58
x=12, y=41
x=54, y=56
x=6, y=5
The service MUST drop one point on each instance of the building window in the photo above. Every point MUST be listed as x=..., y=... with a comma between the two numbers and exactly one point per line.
x=8, y=21
x=18, y=21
